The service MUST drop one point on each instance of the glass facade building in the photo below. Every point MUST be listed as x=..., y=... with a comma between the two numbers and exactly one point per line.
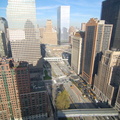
x=23, y=31
x=3, y=24
x=111, y=14
x=63, y=21
x=3, y=47
x=19, y=11
x=4, y=44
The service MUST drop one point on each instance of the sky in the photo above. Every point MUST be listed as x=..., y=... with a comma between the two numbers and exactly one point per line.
x=80, y=10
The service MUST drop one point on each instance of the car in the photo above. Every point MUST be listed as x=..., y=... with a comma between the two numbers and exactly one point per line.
x=84, y=95
x=96, y=101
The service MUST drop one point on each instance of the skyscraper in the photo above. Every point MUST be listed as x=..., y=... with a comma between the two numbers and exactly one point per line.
x=49, y=34
x=4, y=43
x=97, y=40
x=111, y=14
x=83, y=26
x=63, y=21
x=3, y=47
x=107, y=81
x=23, y=31
x=72, y=30
x=77, y=52
x=3, y=24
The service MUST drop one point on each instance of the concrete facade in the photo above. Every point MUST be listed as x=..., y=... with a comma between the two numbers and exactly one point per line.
x=83, y=26
x=49, y=35
x=97, y=40
x=77, y=52
x=107, y=80
x=72, y=30
x=117, y=104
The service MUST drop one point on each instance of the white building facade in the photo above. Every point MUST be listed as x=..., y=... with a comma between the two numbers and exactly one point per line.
x=63, y=24
x=77, y=52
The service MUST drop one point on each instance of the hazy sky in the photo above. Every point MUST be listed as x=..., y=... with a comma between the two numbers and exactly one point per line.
x=81, y=10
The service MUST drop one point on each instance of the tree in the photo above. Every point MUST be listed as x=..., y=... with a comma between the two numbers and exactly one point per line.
x=62, y=100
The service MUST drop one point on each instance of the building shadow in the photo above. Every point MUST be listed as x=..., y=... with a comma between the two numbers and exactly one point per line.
x=33, y=97
x=9, y=49
x=47, y=79
x=3, y=51
x=67, y=55
x=49, y=83
x=89, y=105
x=96, y=64
x=43, y=50
x=64, y=37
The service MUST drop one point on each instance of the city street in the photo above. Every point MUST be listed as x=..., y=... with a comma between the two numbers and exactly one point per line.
x=62, y=75
x=77, y=97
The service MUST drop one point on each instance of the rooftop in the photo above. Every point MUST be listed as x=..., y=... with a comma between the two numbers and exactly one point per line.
x=37, y=86
x=12, y=63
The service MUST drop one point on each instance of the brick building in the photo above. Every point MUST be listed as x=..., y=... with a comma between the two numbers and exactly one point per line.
x=22, y=96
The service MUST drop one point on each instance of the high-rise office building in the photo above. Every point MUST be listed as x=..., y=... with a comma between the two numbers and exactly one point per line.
x=107, y=81
x=3, y=47
x=23, y=31
x=4, y=43
x=3, y=24
x=77, y=52
x=111, y=14
x=97, y=40
x=49, y=34
x=83, y=26
x=22, y=93
x=72, y=30
x=63, y=22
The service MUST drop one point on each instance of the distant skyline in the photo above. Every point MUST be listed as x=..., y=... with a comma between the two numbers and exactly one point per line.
x=80, y=10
